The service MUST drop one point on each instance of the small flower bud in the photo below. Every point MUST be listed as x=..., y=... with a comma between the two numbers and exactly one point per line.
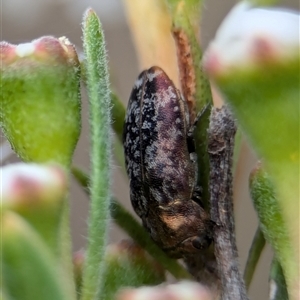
x=36, y=192
x=184, y=290
x=40, y=99
x=251, y=36
x=126, y=257
x=31, y=184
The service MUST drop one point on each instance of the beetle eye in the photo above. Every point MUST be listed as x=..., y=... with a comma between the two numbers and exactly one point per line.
x=197, y=243
x=201, y=242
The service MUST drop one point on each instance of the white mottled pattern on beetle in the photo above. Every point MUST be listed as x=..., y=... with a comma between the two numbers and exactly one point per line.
x=160, y=165
x=169, y=171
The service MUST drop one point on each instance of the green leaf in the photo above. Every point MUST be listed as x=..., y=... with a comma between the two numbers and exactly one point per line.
x=97, y=80
x=254, y=254
x=29, y=269
x=272, y=223
x=278, y=290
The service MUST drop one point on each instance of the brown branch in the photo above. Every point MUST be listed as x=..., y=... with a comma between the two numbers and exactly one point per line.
x=220, y=148
x=186, y=69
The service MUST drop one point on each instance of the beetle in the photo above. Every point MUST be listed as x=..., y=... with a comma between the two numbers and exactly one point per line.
x=161, y=164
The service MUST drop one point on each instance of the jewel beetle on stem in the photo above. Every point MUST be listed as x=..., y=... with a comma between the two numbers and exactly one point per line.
x=161, y=164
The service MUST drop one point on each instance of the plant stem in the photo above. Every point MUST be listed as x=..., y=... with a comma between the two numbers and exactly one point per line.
x=278, y=289
x=119, y=156
x=99, y=98
x=220, y=148
x=255, y=251
x=195, y=87
x=118, y=116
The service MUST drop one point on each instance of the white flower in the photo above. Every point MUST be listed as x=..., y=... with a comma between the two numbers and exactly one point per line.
x=250, y=35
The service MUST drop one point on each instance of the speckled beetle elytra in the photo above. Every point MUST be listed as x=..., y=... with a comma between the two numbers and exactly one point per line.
x=161, y=164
